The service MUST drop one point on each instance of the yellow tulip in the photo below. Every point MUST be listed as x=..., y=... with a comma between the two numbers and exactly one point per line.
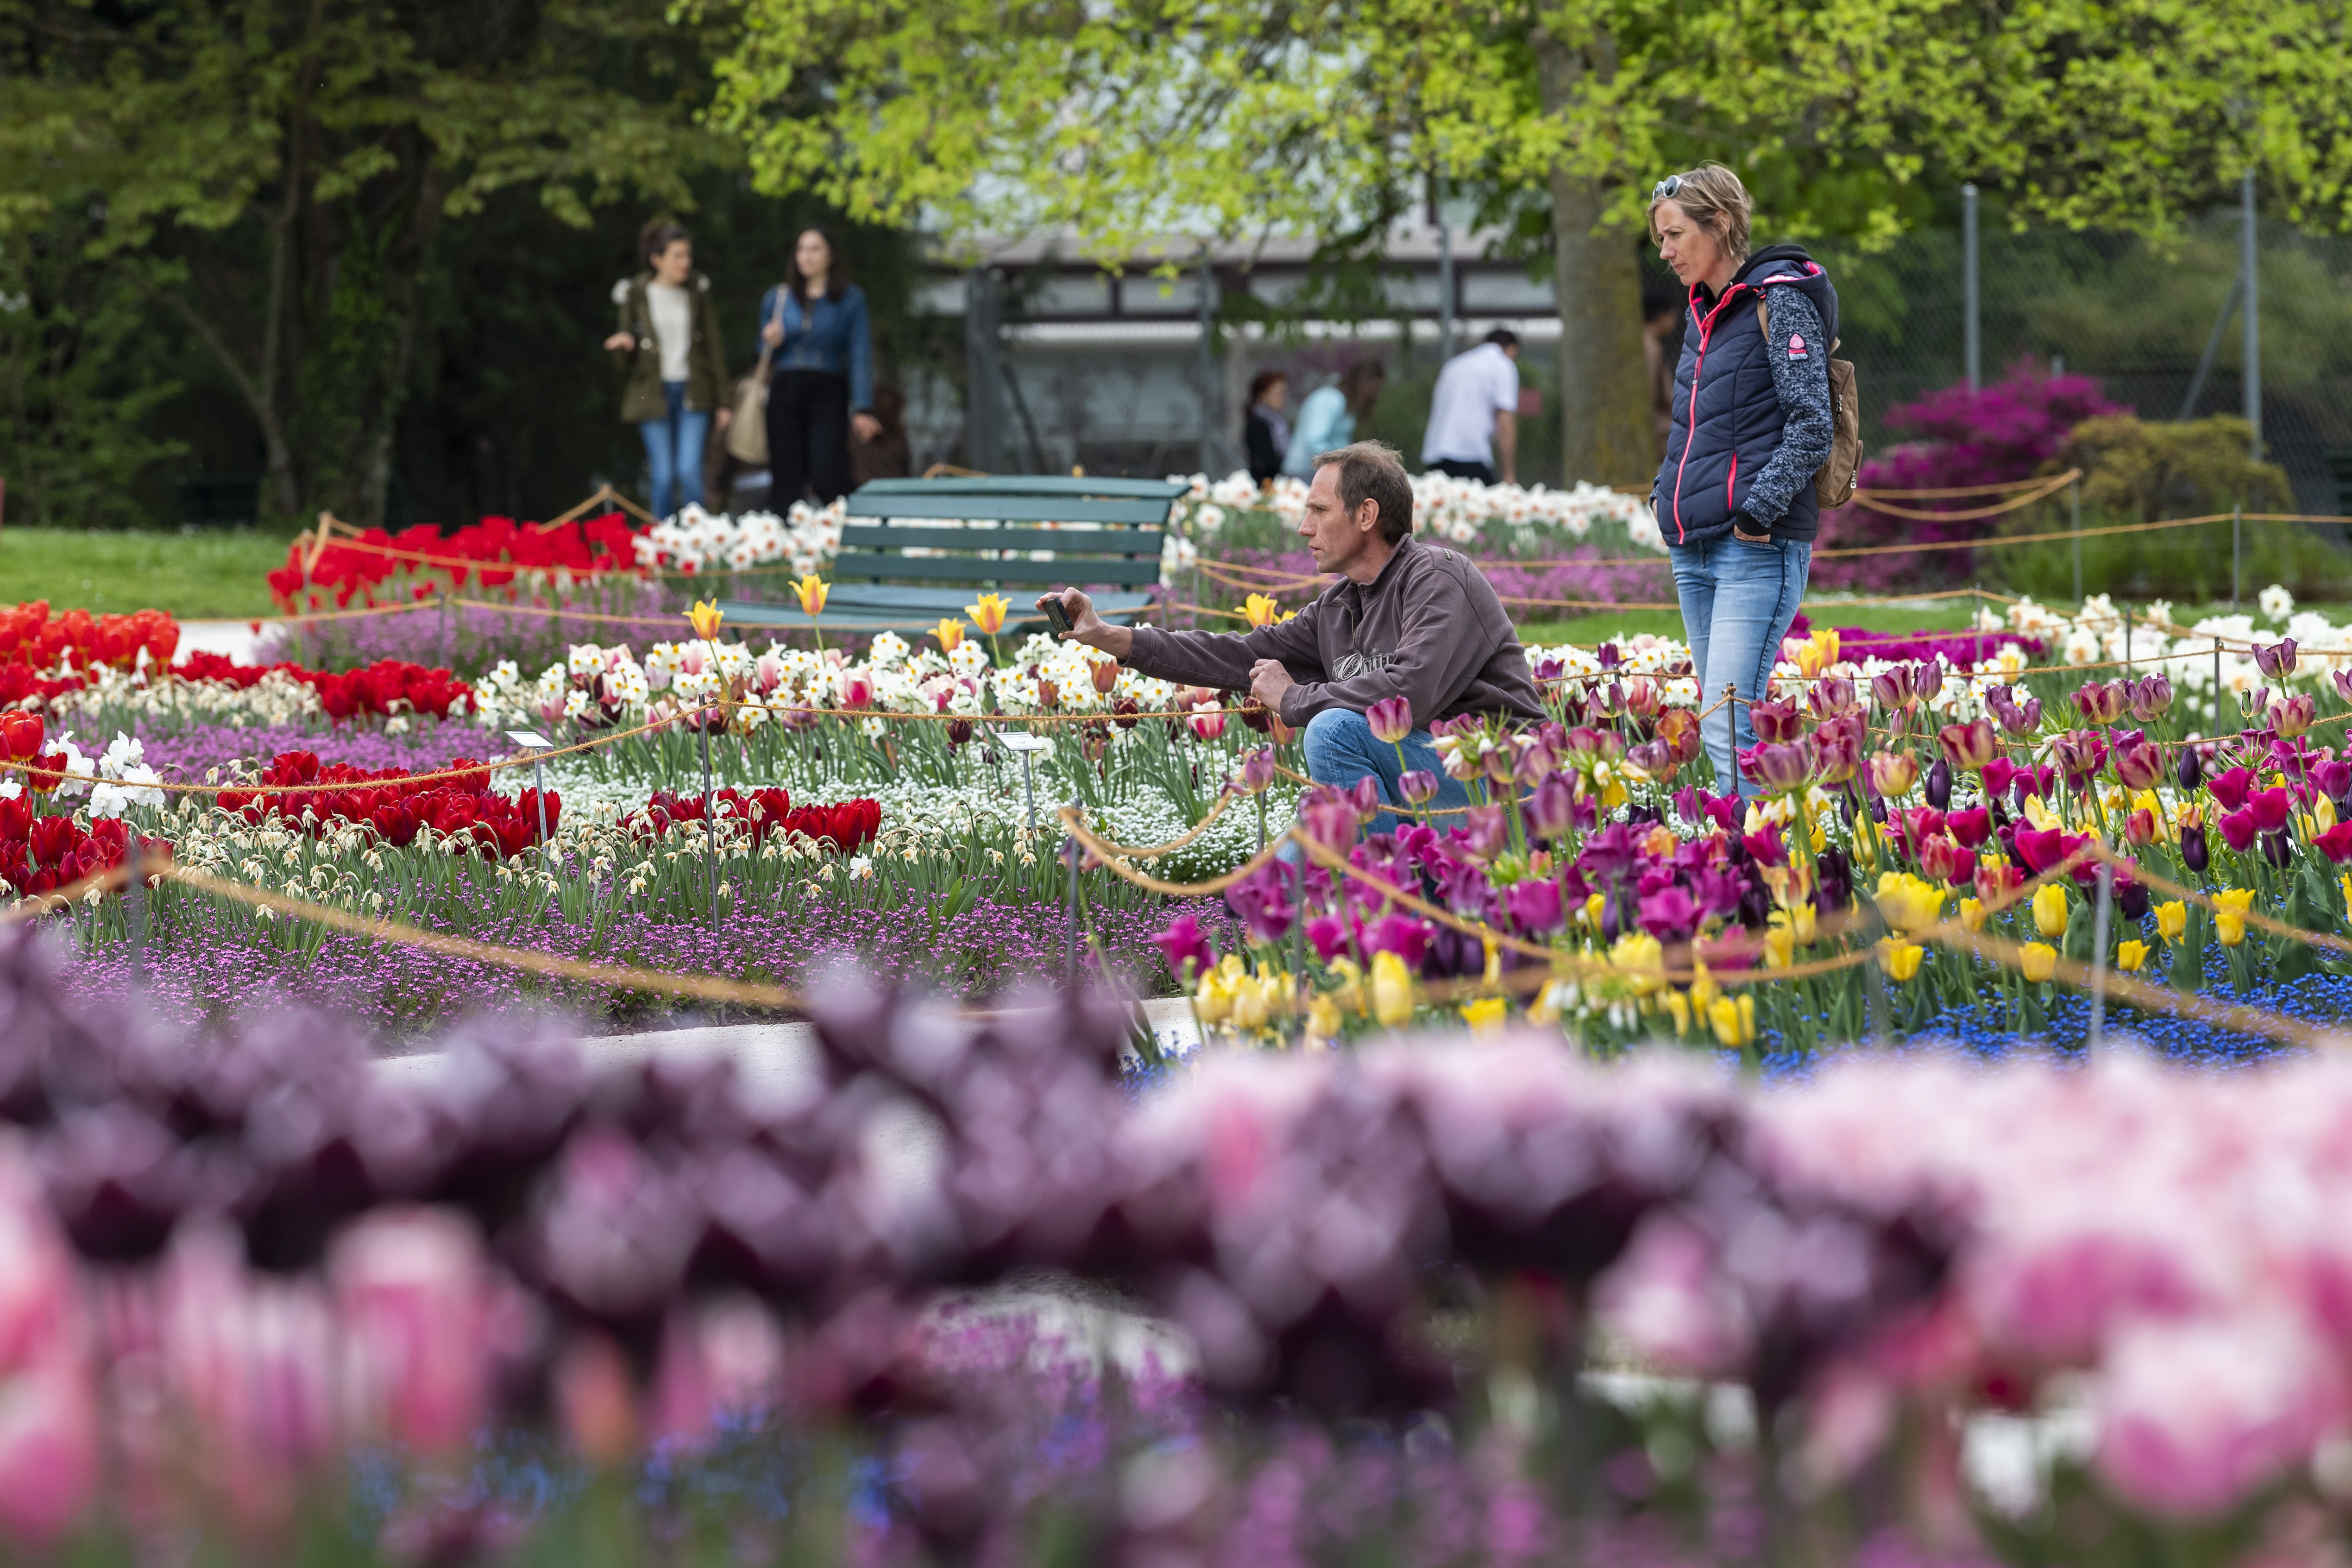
x=989, y=613
x=1826, y=639
x=1900, y=959
x=2041, y=815
x=1909, y=903
x=2345, y=882
x=1486, y=1013
x=2130, y=956
x=705, y=617
x=812, y=591
x=1595, y=904
x=1261, y=610
x=1678, y=1008
x=2230, y=916
x=2323, y=815
x=1704, y=990
x=1972, y=914
x=1779, y=946
x=2049, y=912
x=1642, y=959
x=951, y=634
x=2040, y=961
x=1392, y=999
x=1251, y=1010
x=1213, y=1001
x=1349, y=995
x=1323, y=1017
x=2172, y=919
x=1734, y=1022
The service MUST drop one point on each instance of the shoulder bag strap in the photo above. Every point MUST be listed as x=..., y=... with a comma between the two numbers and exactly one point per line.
x=767, y=348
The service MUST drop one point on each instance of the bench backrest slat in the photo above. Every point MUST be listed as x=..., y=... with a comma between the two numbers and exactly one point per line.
x=972, y=569
x=964, y=541
x=1162, y=491
x=1008, y=508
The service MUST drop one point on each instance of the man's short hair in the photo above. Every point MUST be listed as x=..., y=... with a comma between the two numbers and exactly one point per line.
x=1372, y=470
x=1503, y=337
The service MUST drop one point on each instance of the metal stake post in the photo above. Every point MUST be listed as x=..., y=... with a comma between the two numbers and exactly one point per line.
x=2237, y=552
x=2217, y=686
x=2074, y=506
x=134, y=900
x=1971, y=336
x=539, y=782
x=710, y=825
x=1029, y=785
x=1070, y=914
x=2099, y=956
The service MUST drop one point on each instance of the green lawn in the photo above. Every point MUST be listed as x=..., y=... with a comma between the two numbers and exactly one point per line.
x=1943, y=616
x=213, y=575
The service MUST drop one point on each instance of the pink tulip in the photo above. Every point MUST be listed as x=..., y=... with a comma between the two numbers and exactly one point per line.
x=1209, y=726
x=1391, y=719
x=2195, y=1416
x=410, y=1292
x=48, y=1449
x=1667, y=1299
x=723, y=1358
x=596, y=1399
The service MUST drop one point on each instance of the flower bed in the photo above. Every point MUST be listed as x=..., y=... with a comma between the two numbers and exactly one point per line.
x=529, y=1304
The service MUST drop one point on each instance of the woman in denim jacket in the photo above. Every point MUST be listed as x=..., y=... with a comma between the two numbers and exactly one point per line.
x=814, y=324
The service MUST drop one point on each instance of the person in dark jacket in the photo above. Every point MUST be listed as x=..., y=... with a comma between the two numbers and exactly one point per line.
x=677, y=367
x=1405, y=619
x=814, y=324
x=1750, y=427
x=1267, y=432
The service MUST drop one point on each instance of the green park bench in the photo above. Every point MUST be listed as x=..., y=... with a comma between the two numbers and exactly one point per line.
x=902, y=545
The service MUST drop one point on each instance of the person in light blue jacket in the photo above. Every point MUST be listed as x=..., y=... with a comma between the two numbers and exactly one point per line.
x=815, y=335
x=1327, y=420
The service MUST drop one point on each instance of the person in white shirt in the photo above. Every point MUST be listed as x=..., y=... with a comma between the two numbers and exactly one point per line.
x=1474, y=413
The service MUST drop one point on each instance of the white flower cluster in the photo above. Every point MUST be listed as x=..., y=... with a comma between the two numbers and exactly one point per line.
x=2103, y=633
x=276, y=700
x=608, y=685
x=696, y=541
x=1443, y=508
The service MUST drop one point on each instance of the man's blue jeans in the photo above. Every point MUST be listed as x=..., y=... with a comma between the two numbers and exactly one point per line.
x=1737, y=601
x=674, y=452
x=1341, y=750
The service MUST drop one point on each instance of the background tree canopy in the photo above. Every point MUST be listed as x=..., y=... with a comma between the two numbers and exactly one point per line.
x=277, y=178
x=1141, y=118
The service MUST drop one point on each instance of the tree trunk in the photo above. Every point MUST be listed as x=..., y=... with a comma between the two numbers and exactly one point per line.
x=1606, y=432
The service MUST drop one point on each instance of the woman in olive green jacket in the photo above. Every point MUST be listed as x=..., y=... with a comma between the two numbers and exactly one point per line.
x=678, y=369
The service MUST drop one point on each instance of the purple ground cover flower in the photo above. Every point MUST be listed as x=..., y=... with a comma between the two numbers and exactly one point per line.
x=191, y=753
x=199, y=968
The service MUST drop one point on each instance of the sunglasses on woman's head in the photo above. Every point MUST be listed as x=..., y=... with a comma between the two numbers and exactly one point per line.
x=1665, y=187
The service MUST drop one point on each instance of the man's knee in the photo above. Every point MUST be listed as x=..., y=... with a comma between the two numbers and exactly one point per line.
x=1334, y=734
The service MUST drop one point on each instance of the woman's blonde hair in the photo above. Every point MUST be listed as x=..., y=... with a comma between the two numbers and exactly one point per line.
x=1716, y=201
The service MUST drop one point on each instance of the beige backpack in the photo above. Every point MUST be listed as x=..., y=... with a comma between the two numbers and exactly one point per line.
x=1834, y=482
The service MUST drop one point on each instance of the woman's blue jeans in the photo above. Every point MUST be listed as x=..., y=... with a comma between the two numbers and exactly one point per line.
x=674, y=452
x=1737, y=601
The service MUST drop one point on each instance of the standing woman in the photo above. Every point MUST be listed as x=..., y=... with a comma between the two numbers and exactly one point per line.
x=1751, y=424
x=814, y=324
x=1265, y=433
x=677, y=371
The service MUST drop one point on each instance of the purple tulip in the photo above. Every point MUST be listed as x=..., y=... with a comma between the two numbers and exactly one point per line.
x=1534, y=906
x=1669, y=914
x=1329, y=935
x=2151, y=695
x=2333, y=779
x=1832, y=695
x=1407, y=936
x=1939, y=784
x=1262, y=902
x=2238, y=828
x=1780, y=769
x=2277, y=661
x=2138, y=765
x=1969, y=745
x=1184, y=944
x=1488, y=831
x=2191, y=773
x=1418, y=785
x=2193, y=853
x=1257, y=770
x=1550, y=809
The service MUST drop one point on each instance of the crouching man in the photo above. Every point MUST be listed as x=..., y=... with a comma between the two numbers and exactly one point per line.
x=1405, y=620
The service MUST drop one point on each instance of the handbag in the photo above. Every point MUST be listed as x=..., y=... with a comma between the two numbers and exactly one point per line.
x=747, y=433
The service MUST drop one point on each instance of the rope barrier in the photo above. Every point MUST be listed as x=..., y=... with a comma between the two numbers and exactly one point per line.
x=54, y=777
x=2164, y=884
x=1954, y=492
x=2148, y=997
x=2044, y=491
x=1131, y=852
x=704, y=987
x=1110, y=855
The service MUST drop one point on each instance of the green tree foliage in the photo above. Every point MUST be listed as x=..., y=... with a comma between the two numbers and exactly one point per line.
x=1131, y=118
x=76, y=413
x=276, y=174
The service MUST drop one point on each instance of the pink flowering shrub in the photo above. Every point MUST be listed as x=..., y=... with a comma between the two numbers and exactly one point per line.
x=2009, y=430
